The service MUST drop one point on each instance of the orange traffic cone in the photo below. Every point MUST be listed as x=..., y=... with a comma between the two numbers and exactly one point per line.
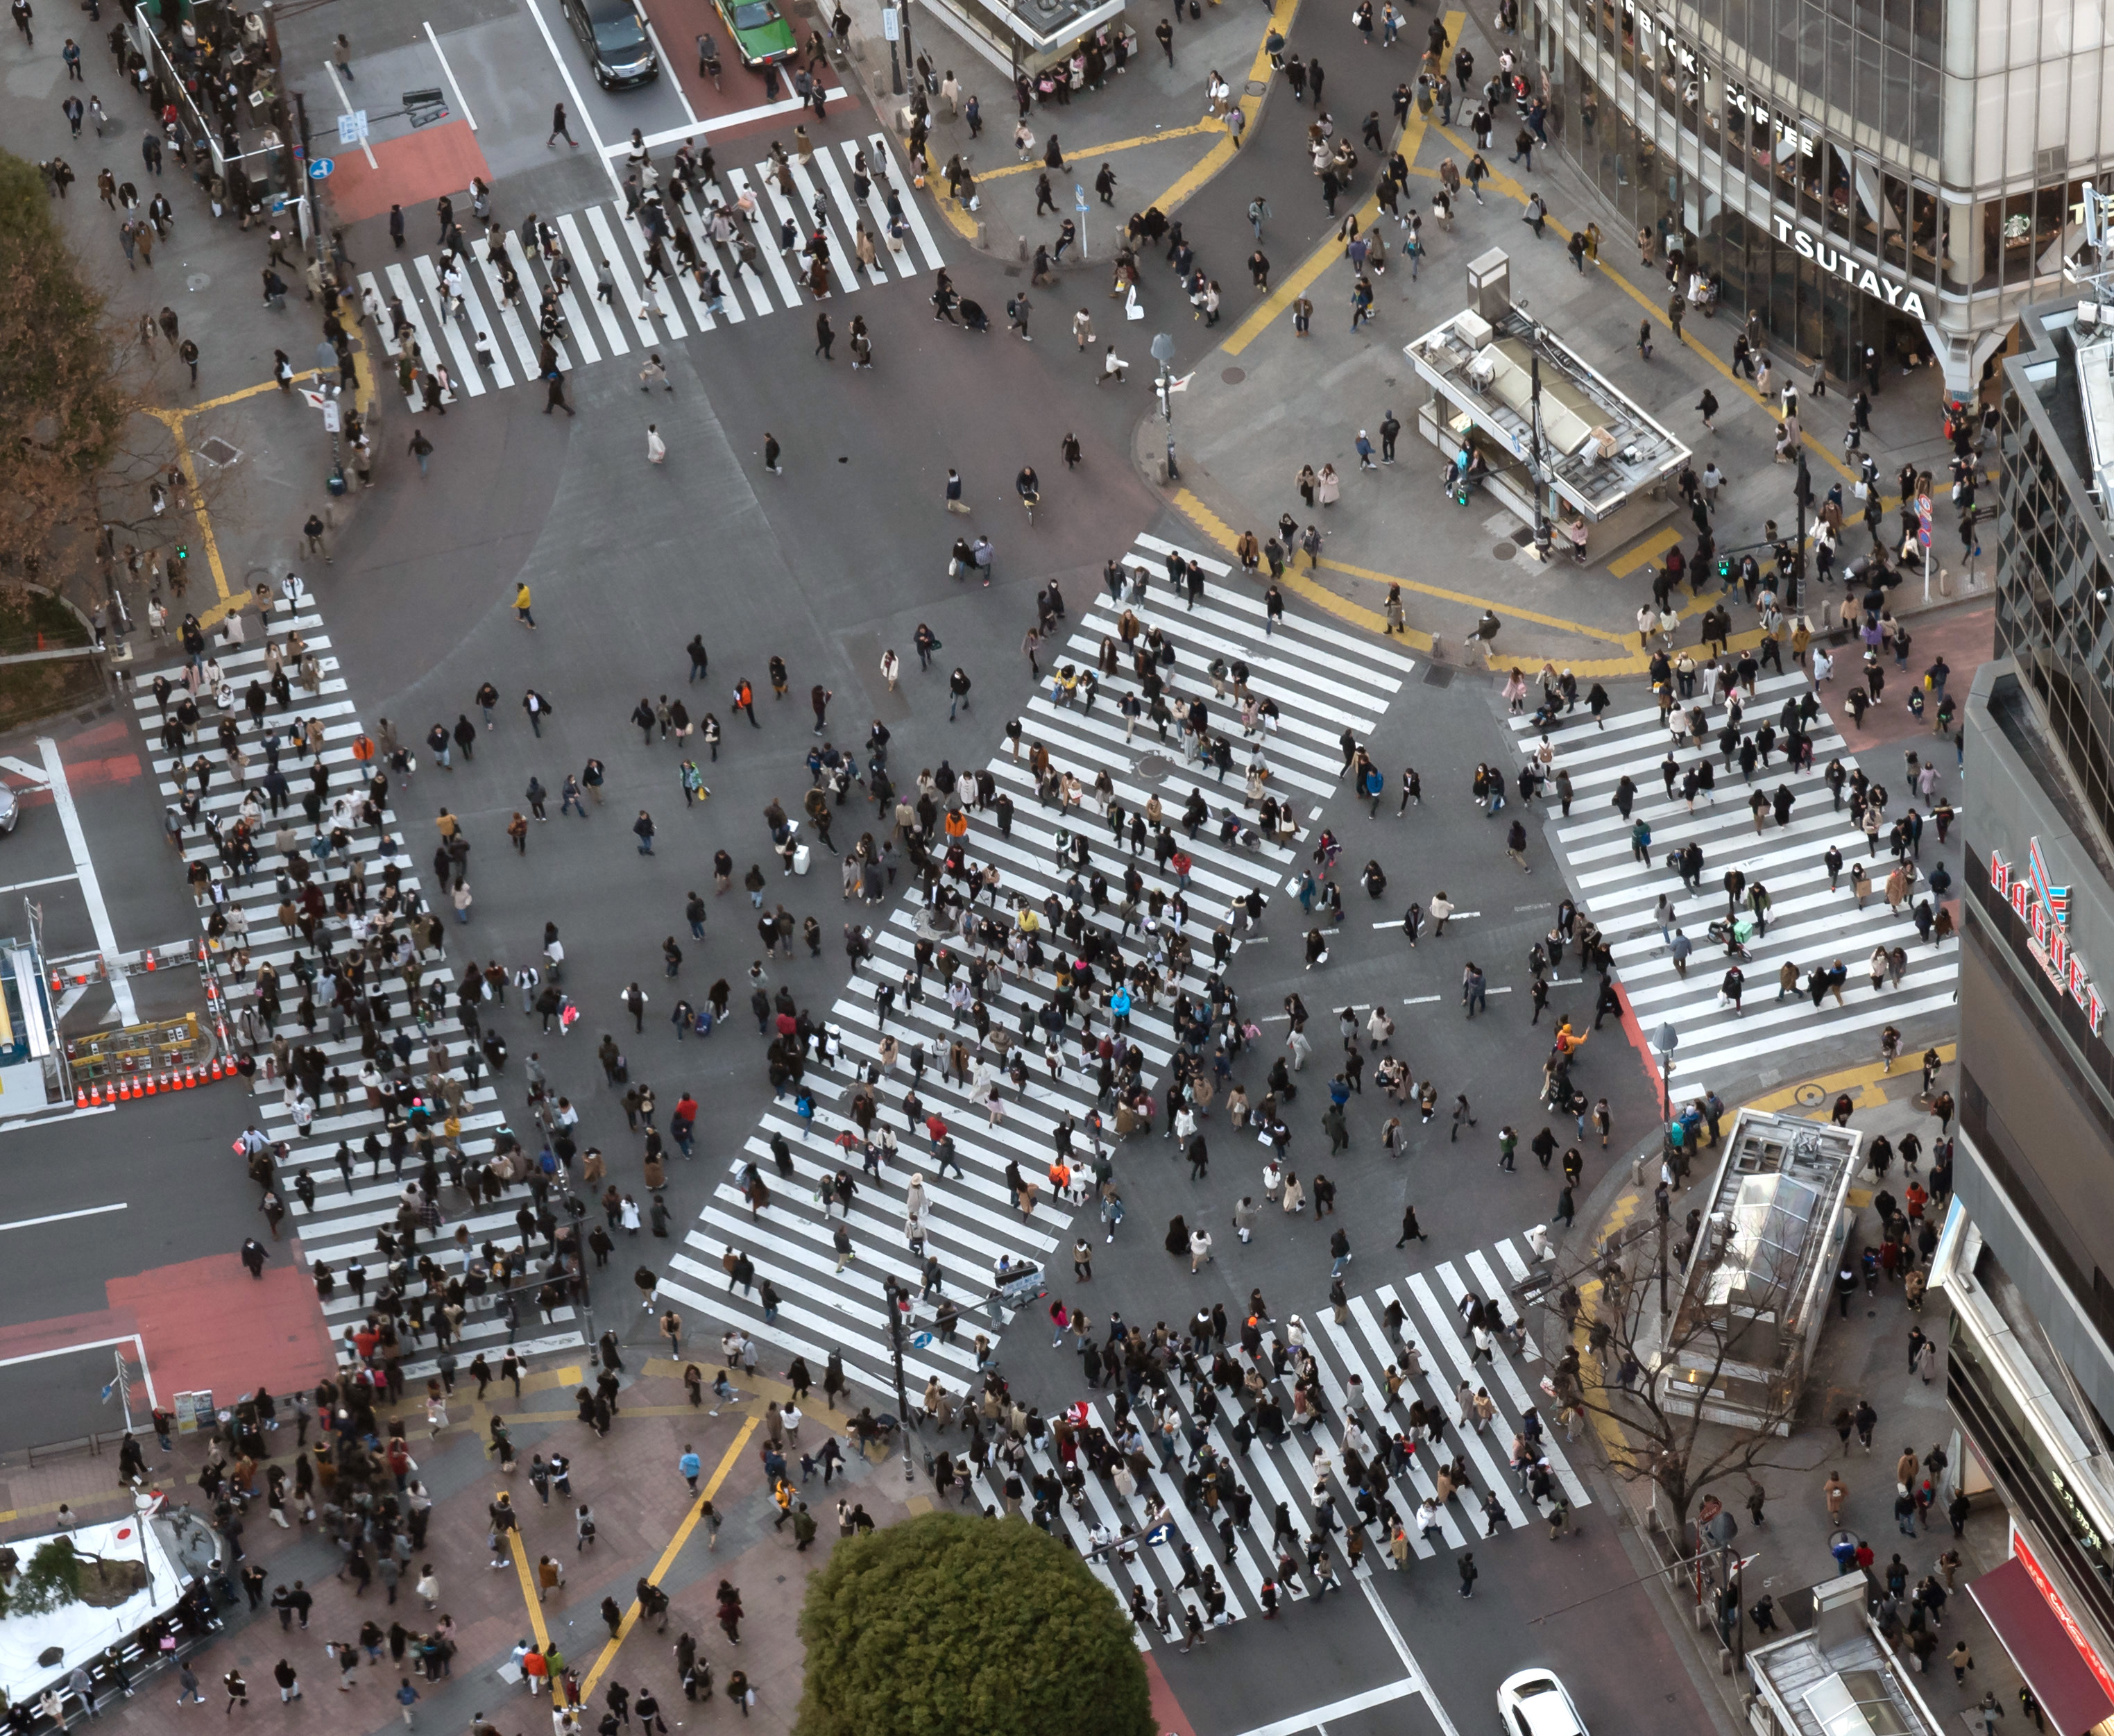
x=81, y=1097
x=150, y=1091
x=124, y=1089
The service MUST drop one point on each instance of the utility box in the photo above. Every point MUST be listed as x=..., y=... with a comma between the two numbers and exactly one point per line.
x=1491, y=284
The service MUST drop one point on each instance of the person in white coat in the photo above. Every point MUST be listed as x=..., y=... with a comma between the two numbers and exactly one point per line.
x=656, y=448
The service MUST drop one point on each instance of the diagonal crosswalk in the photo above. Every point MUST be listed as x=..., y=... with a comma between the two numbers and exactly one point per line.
x=635, y=320
x=1316, y=675
x=1809, y=925
x=352, y=1210
x=1232, y=1528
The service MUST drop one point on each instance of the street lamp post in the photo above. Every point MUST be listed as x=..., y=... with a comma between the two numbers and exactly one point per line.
x=898, y=1306
x=1163, y=356
x=1665, y=1040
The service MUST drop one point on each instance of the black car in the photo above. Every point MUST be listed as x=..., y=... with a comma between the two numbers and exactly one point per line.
x=613, y=34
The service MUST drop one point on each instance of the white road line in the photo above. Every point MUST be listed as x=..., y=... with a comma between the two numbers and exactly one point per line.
x=613, y=253
x=878, y=154
x=484, y=324
x=60, y=1217
x=843, y=261
x=767, y=240
x=826, y=165
x=458, y=346
x=516, y=252
x=576, y=245
x=1408, y=1658
x=508, y=317
x=709, y=124
x=49, y=880
x=345, y=108
x=877, y=209
x=579, y=111
x=84, y=866
x=449, y=72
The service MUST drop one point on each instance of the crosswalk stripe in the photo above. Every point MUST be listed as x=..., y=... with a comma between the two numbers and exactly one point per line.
x=476, y=287
x=617, y=255
x=764, y=233
x=826, y=165
x=511, y=243
x=509, y=320
x=400, y=282
x=877, y=154
x=808, y=215
x=579, y=251
x=1809, y=925
x=580, y=334
x=657, y=301
x=876, y=207
x=596, y=330
x=343, y=1223
x=467, y=373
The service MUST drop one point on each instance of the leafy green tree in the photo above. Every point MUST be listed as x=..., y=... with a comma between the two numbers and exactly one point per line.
x=52, y=1578
x=950, y=1625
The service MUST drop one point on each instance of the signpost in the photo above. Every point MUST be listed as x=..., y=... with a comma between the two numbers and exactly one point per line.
x=1079, y=205
x=1923, y=513
x=320, y=169
x=352, y=128
x=891, y=30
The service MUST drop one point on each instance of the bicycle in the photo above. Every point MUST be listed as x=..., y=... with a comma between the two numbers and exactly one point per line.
x=1030, y=500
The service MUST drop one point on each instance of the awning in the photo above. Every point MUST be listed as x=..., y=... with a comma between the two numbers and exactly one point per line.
x=2071, y=1691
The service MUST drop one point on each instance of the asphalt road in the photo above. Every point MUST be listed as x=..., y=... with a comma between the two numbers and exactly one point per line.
x=839, y=557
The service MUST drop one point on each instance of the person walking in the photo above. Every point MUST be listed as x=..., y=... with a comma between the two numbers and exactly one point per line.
x=559, y=130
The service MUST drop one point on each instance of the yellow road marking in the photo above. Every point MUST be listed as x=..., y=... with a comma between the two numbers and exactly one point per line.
x=174, y=419
x=1408, y=142
x=535, y=1602
x=1078, y=157
x=1866, y=1081
x=1645, y=552
x=1219, y=532
x=965, y=225
x=667, y=1560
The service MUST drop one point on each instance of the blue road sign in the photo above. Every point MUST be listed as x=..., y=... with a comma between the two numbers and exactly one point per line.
x=1160, y=1534
x=320, y=169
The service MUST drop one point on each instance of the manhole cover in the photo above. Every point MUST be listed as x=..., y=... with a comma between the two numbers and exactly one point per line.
x=197, y=281
x=218, y=452
x=1256, y=87
x=1012, y=270
x=1437, y=675
x=1505, y=550
x=1809, y=1094
x=1153, y=766
x=1234, y=376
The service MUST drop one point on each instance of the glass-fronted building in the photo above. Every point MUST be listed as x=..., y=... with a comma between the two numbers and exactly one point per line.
x=2026, y=1260
x=1902, y=176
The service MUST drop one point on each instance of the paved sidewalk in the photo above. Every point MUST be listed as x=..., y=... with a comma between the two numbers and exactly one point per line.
x=1152, y=125
x=1268, y=402
x=1864, y=1356
x=631, y=1482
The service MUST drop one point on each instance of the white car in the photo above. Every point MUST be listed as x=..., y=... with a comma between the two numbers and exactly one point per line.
x=1534, y=1703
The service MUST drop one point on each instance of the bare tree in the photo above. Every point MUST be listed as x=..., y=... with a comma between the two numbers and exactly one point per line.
x=1657, y=1377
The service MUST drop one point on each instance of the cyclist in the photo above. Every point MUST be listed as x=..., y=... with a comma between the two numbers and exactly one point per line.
x=1028, y=486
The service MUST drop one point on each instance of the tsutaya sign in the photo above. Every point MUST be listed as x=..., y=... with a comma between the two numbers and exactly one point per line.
x=2045, y=908
x=1850, y=269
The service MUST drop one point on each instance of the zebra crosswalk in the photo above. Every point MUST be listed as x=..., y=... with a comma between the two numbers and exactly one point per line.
x=491, y=344
x=1301, y=1491
x=1316, y=676
x=355, y=1202
x=1808, y=924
